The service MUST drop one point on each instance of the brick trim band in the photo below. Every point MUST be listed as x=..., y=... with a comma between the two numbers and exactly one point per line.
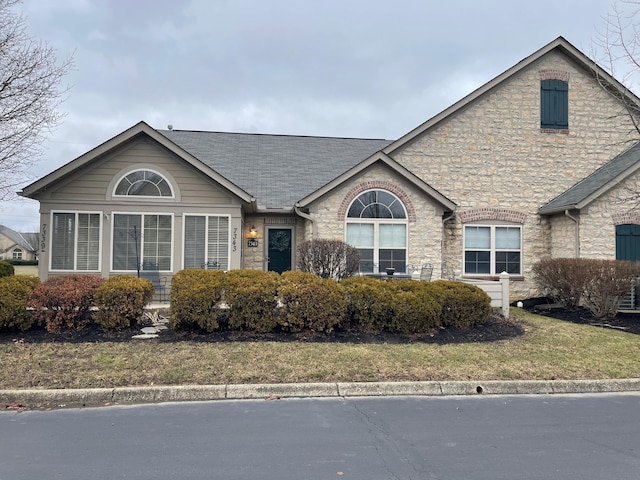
x=380, y=185
x=632, y=218
x=486, y=213
x=554, y=75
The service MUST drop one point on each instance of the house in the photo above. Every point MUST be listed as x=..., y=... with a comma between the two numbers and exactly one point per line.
x=539, y=162
x=17, y=246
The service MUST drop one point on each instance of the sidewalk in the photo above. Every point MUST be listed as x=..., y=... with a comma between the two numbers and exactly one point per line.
x=42, y=399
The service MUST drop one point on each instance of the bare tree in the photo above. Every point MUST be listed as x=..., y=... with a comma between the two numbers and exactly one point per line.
x=30, y=94
x=617, y=49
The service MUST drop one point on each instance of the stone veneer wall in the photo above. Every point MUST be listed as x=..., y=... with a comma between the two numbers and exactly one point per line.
x=494, y=154
x=255, y=257
x=425, y=218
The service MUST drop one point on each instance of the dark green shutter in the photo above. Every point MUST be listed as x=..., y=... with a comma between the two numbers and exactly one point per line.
x=554, y=104
x=628, y=242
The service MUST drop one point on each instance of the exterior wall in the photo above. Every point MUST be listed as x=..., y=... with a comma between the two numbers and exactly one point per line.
x=425, y=219
x=565, y=232
x=494, y=154
x=90, y=190
x=255, y=258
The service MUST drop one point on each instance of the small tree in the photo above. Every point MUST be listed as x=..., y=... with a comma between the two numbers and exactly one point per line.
x=328, y=258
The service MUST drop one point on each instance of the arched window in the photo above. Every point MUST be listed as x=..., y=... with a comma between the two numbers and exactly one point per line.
x=144, y=183
x=376, y=225
x=17, y=254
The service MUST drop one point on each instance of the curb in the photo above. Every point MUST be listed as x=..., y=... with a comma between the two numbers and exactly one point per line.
x=91, y=397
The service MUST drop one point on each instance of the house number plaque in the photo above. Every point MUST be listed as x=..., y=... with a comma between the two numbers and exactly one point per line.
x=252, y=242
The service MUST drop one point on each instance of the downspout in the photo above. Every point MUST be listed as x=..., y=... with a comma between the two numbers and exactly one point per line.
x=307, y=217
x=442, y=260
x=577, y=235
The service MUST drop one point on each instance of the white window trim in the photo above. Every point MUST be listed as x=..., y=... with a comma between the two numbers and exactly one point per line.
x=75, y=241
x=113, y=214
x=146, y=197
x=206, y=233
x=492, y=248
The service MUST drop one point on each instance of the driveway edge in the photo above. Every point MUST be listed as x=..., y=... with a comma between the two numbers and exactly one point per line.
x=90, y=397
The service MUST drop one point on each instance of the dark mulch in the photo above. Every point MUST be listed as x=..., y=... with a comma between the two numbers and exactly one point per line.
x=496, y=328
x=626, y=321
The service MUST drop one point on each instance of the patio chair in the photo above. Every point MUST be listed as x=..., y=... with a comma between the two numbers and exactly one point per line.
x=211, y=265
x=425, y=272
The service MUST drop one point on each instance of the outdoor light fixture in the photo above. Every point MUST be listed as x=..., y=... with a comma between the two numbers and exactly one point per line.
x=253, y=233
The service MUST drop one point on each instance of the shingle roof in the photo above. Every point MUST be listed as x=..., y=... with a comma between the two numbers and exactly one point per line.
x=579, y=195
x=278, y=170
x=27, y=240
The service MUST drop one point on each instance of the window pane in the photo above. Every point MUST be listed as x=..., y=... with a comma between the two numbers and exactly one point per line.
x=477, y=262
x=62, y=241
x=88, y=241
x=392, y=235
x=157, y=240
x=508, y=237
x=366, y=260
x=477, y=237
x=218, y=247
x=144, y=183
x=355, y=209
x=393, y=258
x=194, y=238
x=360, y=234
x=127, y=234
x=508, y=262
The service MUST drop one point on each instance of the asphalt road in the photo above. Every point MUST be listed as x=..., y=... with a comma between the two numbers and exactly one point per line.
x=581, y=437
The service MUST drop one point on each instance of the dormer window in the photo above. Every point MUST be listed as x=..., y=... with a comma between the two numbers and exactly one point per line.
x=144, y=183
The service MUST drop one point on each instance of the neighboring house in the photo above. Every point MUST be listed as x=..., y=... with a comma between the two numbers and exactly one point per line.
x=535, y=163
x=17, y=246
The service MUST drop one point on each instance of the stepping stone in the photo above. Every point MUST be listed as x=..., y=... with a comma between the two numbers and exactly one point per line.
x=146, y=335
x=149, y=330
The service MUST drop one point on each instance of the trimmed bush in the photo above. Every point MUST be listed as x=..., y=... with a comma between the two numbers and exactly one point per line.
x=6, y=269
x=562, y=279
x=310, y=302
x=252, y=299
x=415, y=309
x=328, y=258
x=463, y=305
x=64, y=302
x=607, y=282
x=369, y=306
x=15, y=292
x=195, y=299
x=121, y=300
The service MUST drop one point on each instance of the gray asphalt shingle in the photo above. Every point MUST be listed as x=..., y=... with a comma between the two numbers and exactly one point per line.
x=278, y=170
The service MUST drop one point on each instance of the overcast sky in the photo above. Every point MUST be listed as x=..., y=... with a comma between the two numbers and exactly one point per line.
x=347, y=68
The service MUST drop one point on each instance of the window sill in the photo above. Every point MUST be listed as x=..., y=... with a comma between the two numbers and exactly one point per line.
x=564, y=131
x=495, y=278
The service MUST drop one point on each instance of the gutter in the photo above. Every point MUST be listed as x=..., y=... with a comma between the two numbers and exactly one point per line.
x=577, y=234
x=306, y=216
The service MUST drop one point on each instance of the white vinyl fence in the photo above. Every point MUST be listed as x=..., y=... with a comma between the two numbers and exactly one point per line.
x=498, y=290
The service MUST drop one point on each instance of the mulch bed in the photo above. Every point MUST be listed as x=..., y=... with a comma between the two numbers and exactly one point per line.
x=496, y=328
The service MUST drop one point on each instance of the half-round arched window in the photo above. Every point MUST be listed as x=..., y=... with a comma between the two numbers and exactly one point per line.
x=144, y=183
x=376, y=225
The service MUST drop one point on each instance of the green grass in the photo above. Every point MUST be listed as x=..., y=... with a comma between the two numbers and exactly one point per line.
x=550, y=349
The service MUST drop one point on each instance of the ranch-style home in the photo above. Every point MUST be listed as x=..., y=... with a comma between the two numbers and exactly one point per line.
x=18, y=245
x=539, y=162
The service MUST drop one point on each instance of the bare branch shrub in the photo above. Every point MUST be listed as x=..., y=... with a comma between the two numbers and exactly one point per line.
x=328, y=258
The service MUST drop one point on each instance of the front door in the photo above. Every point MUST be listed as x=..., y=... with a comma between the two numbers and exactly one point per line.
x=628, y=248
x=279, y=249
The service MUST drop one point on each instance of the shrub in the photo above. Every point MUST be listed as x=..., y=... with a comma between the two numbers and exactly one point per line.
x=195, y=299
x=64, y=302
x=328, y=258
x=15, y=292
x=415, y=309
x=369, y=305
x=607, y=282
x=252, y=299
x=463, y=305
x=562, y=279
x=6, y=269
x=310, y=302
x=121, y=300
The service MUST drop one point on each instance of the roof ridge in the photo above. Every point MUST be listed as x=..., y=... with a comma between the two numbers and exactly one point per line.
x=164, y=130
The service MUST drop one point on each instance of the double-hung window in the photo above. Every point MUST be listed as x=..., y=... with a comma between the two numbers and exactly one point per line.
x=75, y=241
x=492, y=249
x=554, y=104
x=206, y=241
x=377, y=227
x=142, y=241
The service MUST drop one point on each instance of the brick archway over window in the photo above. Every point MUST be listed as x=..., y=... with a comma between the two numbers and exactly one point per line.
x=628, y=218
x=500, y=214
x=380, y=185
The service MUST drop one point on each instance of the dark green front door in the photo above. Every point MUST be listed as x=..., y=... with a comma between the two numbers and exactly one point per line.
x=279, y=249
